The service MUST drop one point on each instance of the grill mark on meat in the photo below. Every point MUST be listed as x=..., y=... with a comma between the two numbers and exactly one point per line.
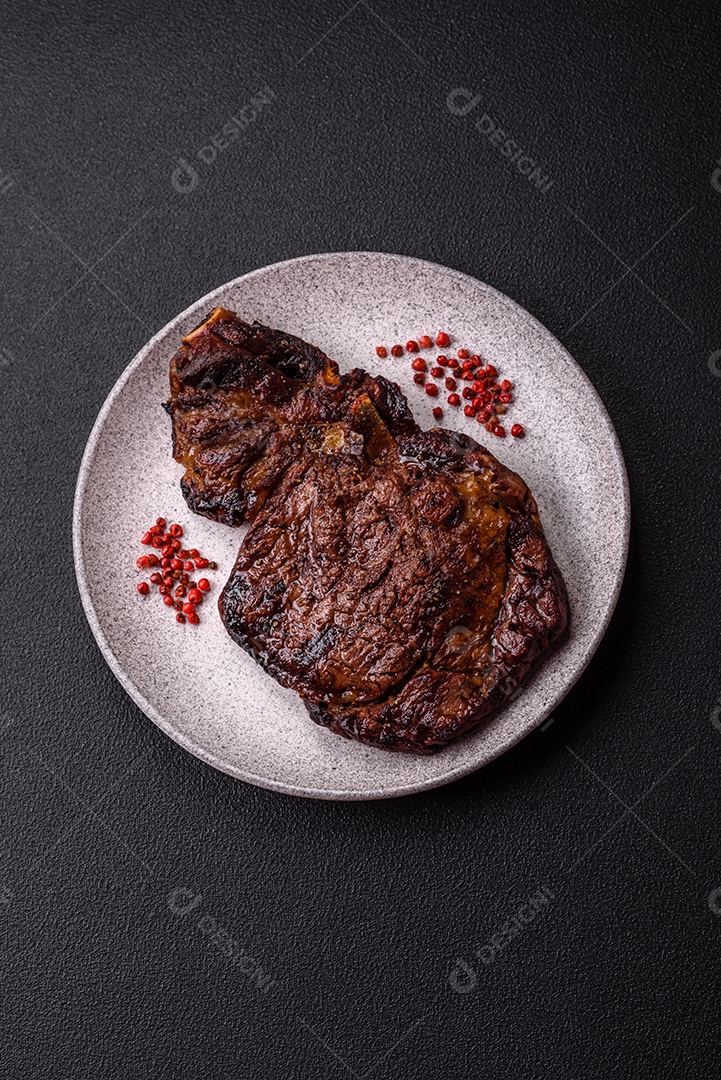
x=306, y=657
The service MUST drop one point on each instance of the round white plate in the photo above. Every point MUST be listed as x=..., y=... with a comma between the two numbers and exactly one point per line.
x=204, y=691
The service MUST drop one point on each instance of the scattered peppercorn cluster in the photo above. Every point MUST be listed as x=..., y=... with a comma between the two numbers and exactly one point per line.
x=172, y=568
x=486, y=398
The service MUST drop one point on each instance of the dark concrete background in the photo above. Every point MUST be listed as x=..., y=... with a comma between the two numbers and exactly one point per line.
x=360, y=914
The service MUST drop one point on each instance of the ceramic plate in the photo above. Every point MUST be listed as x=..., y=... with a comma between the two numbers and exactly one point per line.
x=204, y=691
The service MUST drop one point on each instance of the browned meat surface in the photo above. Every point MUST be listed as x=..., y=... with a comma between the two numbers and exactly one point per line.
x=240, y=397
x=399, y=580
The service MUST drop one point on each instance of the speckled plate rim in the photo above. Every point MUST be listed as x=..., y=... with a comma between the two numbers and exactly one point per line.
x=266, y=782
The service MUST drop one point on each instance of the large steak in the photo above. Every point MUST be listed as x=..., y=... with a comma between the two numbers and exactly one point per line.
x=399, y=580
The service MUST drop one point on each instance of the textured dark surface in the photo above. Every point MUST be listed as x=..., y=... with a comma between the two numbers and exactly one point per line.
x=359, y=913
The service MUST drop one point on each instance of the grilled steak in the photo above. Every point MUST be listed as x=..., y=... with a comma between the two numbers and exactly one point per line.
x=241, y=396
x=399, y=580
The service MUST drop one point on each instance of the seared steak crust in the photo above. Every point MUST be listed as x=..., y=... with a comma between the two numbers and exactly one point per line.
x=398, y=580
x=241, y=395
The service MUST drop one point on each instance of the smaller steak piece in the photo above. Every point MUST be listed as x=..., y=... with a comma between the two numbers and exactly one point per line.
x=403, y=586
x=241, y=396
